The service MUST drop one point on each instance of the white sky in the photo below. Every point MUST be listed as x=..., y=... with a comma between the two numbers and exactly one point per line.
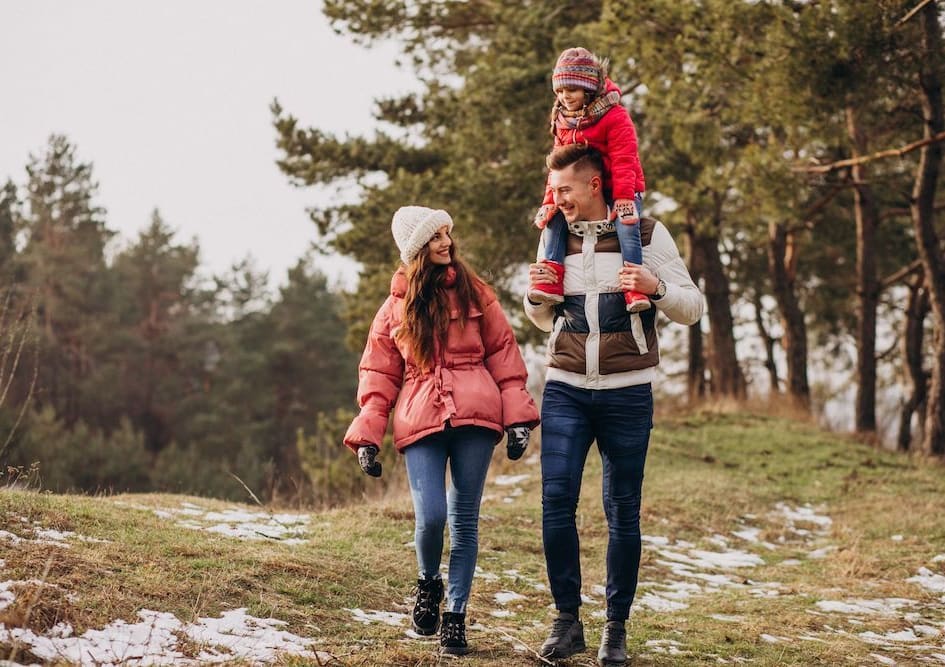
x=169, y=100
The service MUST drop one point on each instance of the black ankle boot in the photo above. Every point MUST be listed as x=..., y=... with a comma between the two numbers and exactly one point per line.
x=426, y=611
x=453, y=634
x=566, y=638
x=613, y=645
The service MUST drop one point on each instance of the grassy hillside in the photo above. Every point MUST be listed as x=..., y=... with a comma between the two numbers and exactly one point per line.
x=766, y=541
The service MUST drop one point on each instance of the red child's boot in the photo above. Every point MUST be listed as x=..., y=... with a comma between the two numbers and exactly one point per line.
x=636, y=302
x=549, y=292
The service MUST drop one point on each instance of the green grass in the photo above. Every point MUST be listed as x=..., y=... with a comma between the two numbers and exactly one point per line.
x=705, y=473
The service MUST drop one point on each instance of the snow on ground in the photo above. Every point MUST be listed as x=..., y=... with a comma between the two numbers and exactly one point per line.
x=238, y=522
x=33, y=532
x=921, y=632
x=157, y=637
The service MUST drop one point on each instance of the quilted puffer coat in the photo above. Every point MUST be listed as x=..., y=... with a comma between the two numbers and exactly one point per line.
x=479, y=377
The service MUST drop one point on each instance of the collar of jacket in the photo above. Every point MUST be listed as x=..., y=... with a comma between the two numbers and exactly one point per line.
x=398, y=282
x=592, y=227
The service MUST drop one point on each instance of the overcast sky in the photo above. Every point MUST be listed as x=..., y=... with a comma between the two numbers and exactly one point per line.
x=169, y=100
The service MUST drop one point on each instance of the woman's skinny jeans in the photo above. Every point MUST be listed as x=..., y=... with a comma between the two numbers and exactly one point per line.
x=467, y=450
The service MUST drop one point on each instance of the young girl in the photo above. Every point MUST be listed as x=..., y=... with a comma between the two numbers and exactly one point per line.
x=442, y=355
x=587, y=110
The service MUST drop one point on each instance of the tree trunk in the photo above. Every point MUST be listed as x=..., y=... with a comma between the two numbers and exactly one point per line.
x=781, y=262
x=768, y=341
x=916, y=378
x=727, y=377
x=695, y=374
x=922, y=209
x=867, y=282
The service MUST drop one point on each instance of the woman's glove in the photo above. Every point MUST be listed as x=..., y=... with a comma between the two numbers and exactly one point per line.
x=366, y=459
x=517, y=441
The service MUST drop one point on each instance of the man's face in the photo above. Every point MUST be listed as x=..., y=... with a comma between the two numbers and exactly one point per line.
x=577, y=194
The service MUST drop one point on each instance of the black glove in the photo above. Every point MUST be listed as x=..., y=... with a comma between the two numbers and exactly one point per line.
x=517, y=441
x=366, y=459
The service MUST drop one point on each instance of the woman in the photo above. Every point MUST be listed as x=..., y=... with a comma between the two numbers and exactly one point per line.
x=442, y=354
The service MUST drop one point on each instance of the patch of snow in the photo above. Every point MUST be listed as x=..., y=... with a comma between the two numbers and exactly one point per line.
x=10, y=537
x=373, y=616
x=727, y=618
x=504, y=597
x=500, y=613
x=802, y=514
x=896, y=538
x=939, y=559
x=823, y=552
x=906, y=635
x=882, y=659
x=656, y=603
x=154, y=640
x=240, y=523
x=882, y=607
x=725, y=560
x=510, y=480
x=657, y=540
x=929, y=580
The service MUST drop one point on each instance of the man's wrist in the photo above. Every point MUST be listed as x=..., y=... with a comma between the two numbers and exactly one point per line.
x=660, y=291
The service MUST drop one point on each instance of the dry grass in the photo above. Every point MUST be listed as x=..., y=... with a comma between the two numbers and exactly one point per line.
x=705, y=473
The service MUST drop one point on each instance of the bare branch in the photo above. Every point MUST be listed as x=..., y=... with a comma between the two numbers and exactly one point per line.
x=915, y=10
x=891, y=152
x=901, y=274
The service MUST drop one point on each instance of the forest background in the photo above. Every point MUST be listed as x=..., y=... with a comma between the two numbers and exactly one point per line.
x=794, y=149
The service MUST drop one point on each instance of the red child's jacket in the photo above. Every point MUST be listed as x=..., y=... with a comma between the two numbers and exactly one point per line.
x=616, y=138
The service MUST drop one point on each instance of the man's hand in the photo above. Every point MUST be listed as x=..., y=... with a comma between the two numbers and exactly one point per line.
x=517, y=441
x=627, y=211
x=637, y=278
x=366, y=459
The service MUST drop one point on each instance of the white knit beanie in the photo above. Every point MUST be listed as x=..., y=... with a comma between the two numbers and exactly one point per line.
x=414, y=226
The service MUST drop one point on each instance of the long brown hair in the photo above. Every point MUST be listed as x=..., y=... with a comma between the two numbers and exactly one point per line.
x=427, y=303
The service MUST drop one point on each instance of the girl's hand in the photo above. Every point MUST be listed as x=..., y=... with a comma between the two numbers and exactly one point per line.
x=626, y=211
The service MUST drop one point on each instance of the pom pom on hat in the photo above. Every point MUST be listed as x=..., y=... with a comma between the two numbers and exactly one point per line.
x=414, y=226
x=578, y=68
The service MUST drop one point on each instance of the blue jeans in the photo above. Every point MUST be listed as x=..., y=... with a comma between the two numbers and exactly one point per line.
x=631, y=249
x=571, y=419
x=468, y=450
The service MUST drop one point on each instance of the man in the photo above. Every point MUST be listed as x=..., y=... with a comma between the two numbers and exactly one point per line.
x=601, y=363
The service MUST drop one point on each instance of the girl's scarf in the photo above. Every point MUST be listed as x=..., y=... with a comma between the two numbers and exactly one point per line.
x=587, y=116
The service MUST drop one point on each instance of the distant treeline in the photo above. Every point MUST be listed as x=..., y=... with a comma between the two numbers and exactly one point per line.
x=141, y=372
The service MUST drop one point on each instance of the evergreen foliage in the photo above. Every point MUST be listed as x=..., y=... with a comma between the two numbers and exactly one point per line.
x=153, y=376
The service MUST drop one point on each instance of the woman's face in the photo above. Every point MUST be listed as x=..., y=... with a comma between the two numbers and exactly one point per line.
x=439, y=247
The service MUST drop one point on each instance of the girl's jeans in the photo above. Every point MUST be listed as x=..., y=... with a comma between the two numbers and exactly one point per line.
x=556, y=235
x=468, y=451
x=620, y=421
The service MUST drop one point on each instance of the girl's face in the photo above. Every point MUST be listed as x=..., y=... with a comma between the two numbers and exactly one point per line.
x=571, y=98
x=439, y=247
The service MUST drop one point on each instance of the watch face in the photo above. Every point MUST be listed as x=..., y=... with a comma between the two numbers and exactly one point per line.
x=661, y=288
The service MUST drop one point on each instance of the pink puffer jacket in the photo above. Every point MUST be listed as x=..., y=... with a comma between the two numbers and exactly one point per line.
x=479, y=379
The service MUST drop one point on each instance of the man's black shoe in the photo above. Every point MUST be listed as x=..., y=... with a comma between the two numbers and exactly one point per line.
x=613, y=645
x=426, y=610
x=566, y=638
x=453, y=634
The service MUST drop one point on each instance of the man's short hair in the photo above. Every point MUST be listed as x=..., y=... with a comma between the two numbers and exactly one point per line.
x=582, y=156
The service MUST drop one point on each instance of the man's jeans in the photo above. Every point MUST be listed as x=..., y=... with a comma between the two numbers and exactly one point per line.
x=468, y=450
x=571, y=419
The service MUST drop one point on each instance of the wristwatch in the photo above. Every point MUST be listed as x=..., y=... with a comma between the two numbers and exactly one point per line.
x=660, y=290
